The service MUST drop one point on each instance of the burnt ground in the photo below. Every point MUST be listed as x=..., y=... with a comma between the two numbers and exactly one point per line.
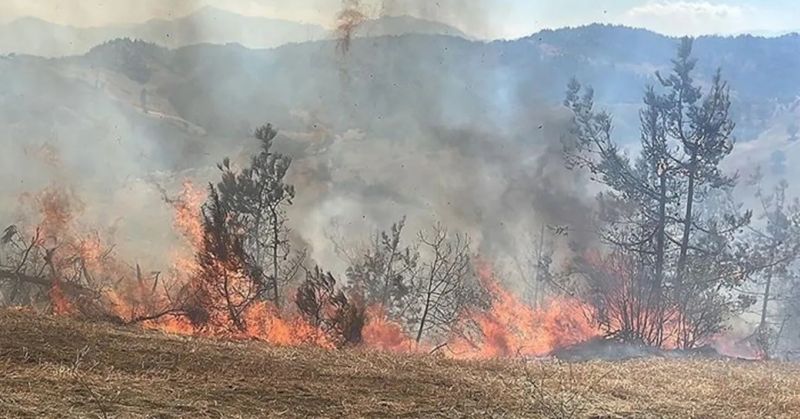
x=56, y=367
x=615, y=350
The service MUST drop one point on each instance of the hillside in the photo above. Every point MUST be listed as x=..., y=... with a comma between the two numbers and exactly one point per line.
x=378, y=80
x=375, y=85
x=55, y=367
x=368, y=128
x=207, y=25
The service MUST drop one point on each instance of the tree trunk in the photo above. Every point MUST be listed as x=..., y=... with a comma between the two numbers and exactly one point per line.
x=424, y=314
x=762, y=325
x=388, y=274
x=232, y=313
x=684, y=252
x=537, y=276
x=275, y=246
x=764, y=305
x=660, y=250
x=687, y=221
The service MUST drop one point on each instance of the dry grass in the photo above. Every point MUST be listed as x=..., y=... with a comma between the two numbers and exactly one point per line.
x=54, y=367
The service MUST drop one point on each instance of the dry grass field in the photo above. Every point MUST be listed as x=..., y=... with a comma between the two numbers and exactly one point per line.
x=56, y=367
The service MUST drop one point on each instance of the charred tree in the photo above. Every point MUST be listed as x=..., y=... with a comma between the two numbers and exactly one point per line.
x=259, y=195
x=341, y=317
x=228, y=282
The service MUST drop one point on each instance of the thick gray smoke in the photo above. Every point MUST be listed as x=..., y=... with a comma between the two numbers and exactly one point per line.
x=389, y=127
x=499, y=190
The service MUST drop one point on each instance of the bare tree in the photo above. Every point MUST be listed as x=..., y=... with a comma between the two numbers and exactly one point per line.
x=22, y=268
x=385, y=272
x=446, y=283
x=619, y=290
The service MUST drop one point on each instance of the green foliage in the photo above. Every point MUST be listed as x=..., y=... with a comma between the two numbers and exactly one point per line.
x=385, y=271
x=259, y=195
x=228, y=281
x=666, y=214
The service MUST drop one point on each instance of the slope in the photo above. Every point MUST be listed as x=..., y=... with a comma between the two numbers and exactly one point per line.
x=56, y=367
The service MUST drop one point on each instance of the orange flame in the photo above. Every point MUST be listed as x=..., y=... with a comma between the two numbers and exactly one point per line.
x=265, y=323
x=187, y=214
x=742, y=348
x=511, y=328
x=383, y=334
x=507, y=328
x=61, y=304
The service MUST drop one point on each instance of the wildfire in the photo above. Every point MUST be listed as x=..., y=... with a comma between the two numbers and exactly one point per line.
x=507, y=327
x=268, y=325
x=187, y=213
x=383, y=334
x=61, y=304
x=348, y=20
x=511, y=328
x=742, y=348
x=57, y=209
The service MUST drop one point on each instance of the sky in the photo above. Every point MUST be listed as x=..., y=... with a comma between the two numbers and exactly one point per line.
x=481, y=18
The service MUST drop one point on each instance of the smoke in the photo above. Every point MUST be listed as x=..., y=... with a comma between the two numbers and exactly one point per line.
x=469, y=16
x=416, y=129
x=82, y=129
x=498, y=187
x=348, y=20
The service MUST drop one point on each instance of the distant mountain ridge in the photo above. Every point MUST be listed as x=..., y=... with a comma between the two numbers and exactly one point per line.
x=385, y=84
x=375, y=130
x=33, y=36
x=400, y=25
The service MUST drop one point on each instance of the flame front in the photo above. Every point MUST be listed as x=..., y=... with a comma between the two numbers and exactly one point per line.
x=507, y=327
x=511, y=328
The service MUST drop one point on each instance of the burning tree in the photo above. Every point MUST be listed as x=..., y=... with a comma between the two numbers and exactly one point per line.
x=49, y=265
x=633, y=213
x=620, y=290
x=258, y=195
x=228, y=281
x=662, y=212
x=55, y=267
x=329, y=309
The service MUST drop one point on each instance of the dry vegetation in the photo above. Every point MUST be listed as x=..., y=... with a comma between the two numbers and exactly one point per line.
x=56, y=367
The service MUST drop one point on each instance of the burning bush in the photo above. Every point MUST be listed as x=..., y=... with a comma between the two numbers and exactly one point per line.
x=330, y=310
x=227, y=282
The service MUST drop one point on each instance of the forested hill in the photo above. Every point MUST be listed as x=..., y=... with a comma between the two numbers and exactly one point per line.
x=455, y=78
x=410, y=86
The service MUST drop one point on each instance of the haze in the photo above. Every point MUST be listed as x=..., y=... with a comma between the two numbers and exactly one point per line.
x=480, y=18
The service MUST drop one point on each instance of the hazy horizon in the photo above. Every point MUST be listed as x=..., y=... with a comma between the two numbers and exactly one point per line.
x=481, y=19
